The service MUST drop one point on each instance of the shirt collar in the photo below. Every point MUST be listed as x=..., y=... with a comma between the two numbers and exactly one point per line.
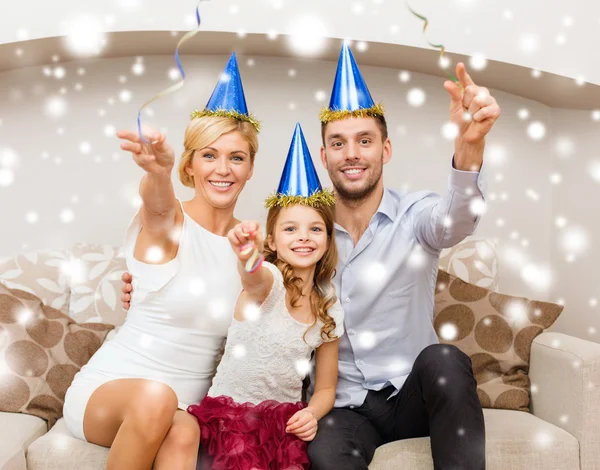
x=387, y=207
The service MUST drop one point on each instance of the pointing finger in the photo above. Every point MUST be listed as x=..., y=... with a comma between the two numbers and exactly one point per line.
x=464, y=78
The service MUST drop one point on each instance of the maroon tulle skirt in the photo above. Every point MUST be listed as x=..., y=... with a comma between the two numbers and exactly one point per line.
x=249, y=437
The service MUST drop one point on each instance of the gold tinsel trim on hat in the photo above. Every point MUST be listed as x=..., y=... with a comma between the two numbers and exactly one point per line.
x=324, y=197
x=328, y=115
x=228, y=114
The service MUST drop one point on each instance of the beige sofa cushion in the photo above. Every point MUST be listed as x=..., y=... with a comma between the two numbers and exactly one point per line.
x=514, y=441
x=58, y=450
x=41, y=350
x=496, y=332
x=473, y=261
x=566, y=373
x=17, y=432
x=96, y=284
x=44, y=274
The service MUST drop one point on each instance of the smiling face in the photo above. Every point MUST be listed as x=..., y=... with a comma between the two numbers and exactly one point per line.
x=298, y=234
x=218, y=158
x=221, y=169
x=354, y=152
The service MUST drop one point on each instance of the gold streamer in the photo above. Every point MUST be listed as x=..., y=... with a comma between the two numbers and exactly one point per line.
x=328, y=115
x=229, y=114
x=324, y=197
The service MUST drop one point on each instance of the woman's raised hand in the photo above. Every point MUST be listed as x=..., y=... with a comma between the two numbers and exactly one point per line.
x=244, y=238
x=156, y=156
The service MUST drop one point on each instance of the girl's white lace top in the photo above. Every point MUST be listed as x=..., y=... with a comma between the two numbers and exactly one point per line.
x=266, y=357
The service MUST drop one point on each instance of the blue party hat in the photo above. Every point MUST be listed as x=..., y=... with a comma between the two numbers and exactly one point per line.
x=299, y=182
x=350, y=95
x=227, y=99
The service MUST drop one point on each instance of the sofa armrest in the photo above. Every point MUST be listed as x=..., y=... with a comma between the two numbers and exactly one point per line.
x=565, y=389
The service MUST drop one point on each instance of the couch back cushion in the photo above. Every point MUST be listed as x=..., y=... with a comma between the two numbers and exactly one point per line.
x=474, y=261
x=96, y=284
x=41, y=350
x=496, y=331
x=44, y=274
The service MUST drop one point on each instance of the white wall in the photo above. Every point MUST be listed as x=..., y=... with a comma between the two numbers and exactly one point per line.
x=51, y=173
x=575, y=247
x=550, y=35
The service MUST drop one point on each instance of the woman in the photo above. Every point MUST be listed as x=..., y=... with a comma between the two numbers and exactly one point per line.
x=133, y=393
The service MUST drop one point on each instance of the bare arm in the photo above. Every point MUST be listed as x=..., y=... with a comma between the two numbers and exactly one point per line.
x=256, y=285
x=304, y=423
x=159, y=204
x=159, y=213
x=326, y=373
x=245, y=238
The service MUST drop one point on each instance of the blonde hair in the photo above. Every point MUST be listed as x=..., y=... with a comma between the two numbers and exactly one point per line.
x=202, y=131
x=324, y=271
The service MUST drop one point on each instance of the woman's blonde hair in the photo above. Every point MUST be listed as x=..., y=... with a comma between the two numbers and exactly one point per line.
x=324, y=271
x=202, y=131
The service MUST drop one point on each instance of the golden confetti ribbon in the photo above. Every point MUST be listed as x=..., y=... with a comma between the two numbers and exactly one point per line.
x=178, y=85
x=437, y=46
x=324, y=197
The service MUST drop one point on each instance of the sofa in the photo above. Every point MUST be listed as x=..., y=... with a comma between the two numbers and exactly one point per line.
x=561, y=432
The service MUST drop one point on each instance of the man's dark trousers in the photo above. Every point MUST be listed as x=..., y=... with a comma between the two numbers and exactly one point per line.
x=438, y=399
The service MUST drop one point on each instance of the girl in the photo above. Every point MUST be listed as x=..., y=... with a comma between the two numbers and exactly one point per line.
x=253, y=416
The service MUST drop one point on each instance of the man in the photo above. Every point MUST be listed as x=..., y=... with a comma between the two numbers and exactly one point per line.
x=395, y=381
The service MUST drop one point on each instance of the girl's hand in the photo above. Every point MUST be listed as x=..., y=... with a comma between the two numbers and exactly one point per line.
x=156, y=156
x=244, y=238
x=303, y=424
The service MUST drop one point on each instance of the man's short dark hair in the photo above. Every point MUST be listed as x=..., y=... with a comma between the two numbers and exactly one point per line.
x=379, y=120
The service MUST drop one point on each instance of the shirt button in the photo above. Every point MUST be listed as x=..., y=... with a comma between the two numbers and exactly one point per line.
x=351, y=407
x=351, y=331
x=347, y=299
x=360, y=362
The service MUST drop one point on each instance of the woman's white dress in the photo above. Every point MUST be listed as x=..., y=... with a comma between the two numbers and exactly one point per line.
x=179, y=315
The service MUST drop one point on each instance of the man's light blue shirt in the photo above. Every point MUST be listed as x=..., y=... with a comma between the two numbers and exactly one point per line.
x=386, y=283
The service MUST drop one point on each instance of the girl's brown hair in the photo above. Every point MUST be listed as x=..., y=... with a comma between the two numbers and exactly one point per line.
x=324, y=271
x=204, y=130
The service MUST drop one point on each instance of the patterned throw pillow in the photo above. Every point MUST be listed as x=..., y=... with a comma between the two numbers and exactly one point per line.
x=496, y=332
x=473, y=261
x=42, y=273
x=41, y=350
x=96, y=284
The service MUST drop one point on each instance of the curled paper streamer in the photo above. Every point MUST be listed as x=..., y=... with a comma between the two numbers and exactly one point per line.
x=437, y=46
x=178, y=85
x=247, y=249
x=254, y=262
